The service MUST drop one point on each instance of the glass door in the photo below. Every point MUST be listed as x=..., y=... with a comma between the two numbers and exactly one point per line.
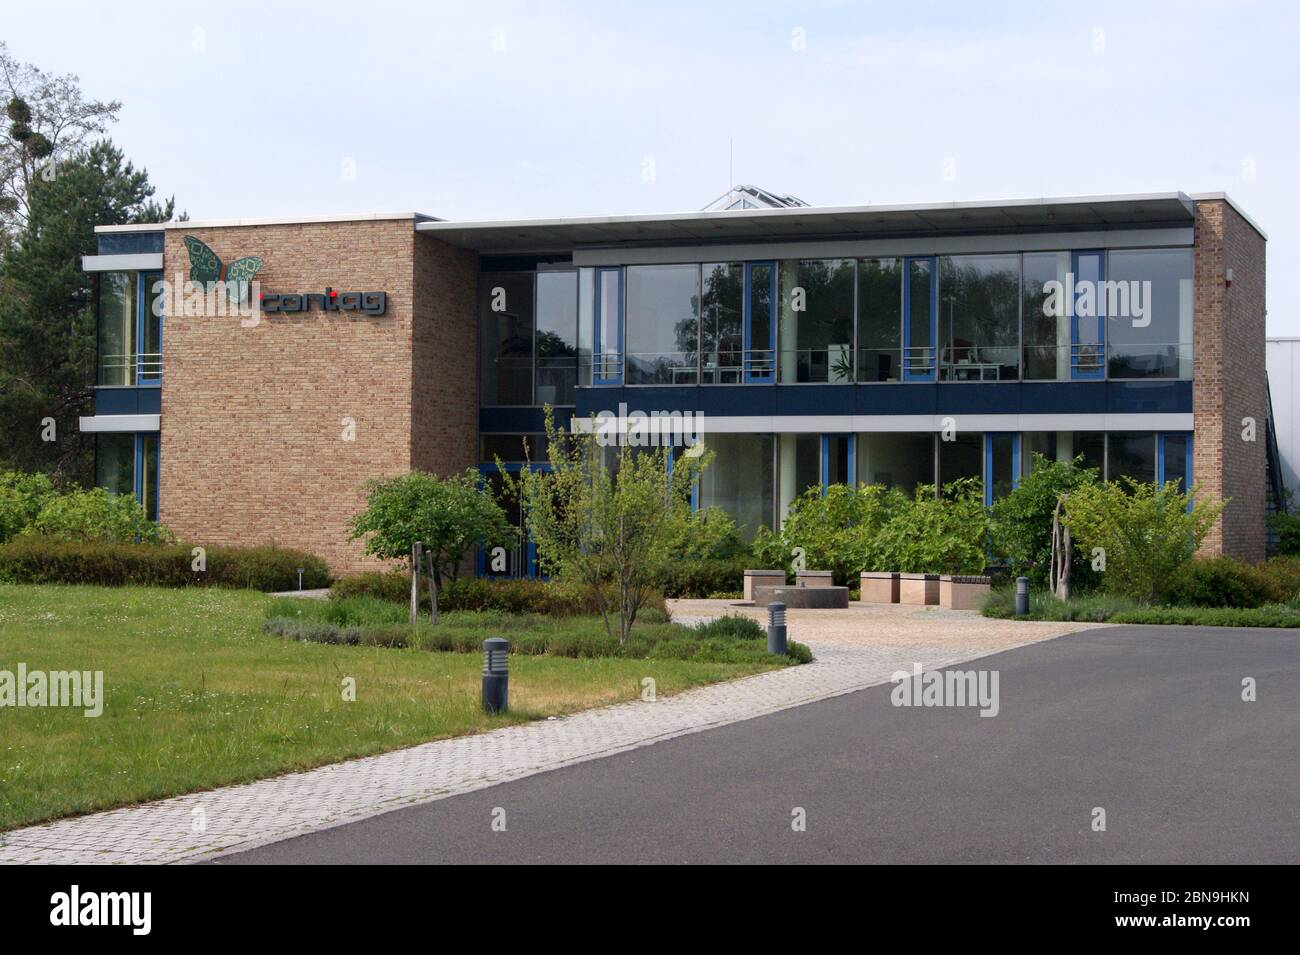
x=760, y=322
x=920, y=319
x=1088, y=322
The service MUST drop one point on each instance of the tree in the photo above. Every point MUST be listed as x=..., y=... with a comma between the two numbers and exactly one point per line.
x=1022, y=521
x=450, y=516
x=47, y=320
x=834, y=530
x=46, y=121
x=935, y=535
x=1142, y=533
x=608, y=525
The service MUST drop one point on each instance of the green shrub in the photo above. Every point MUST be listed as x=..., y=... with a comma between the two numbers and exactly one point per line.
x=450, y=516
x=96, y=516
x=37, y=560
x=552, y=598
x=837, y=528
x=731, y=627
x=703, y=578
x=1021, y=522
x=1270, y=615
x=1282, y=576
x=1220, y=582
x=1147, y=532
x=934, y=535
x=1093, y=608
x=22, y=496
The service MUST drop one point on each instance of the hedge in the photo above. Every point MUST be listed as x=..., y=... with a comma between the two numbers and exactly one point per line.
x=547, y=597
x=37, y=560
x=704, y=578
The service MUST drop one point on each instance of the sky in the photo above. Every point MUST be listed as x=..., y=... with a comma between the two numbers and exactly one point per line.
x=508, y=110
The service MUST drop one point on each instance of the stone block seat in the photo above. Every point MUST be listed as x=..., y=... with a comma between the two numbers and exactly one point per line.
x=964, y=593
x=878, y=587
x=919, y=589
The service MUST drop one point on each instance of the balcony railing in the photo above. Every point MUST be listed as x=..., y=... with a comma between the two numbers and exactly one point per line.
x=127, y=370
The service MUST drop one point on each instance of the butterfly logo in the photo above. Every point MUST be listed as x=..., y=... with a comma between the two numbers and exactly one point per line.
x=205, y=267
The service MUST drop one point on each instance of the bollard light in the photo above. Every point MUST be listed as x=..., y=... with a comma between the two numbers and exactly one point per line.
x=1022, y=596
x=496, y=675
x=776, y=628
x=300, y=578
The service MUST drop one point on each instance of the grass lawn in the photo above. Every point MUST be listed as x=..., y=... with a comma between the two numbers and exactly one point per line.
x=196, y=696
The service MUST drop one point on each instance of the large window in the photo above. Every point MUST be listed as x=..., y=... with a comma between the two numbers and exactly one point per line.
x=740, y=479
x=663, y=324
x=1131, y=454
x=919, y=328
x=816, y=320
x=1152, y=336
x=506, y=338
x=880, y=323
x=117, y=328
x=1046, y=335
x=1064, y=446
x=722, y=317
x=962, y=457
x=557, y=338
x=127, y=463
x=979, y=308
x=902, y=460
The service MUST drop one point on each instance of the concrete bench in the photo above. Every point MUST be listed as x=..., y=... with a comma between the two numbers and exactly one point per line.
x=878, y=588
x=813, y=578
x=803, y=598
x=762, y=578
x=919, y=589
x=964, y=593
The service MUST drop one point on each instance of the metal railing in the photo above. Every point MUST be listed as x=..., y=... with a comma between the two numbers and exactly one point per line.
x=130, y=369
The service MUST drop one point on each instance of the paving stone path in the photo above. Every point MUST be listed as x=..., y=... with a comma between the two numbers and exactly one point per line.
x=854, y=649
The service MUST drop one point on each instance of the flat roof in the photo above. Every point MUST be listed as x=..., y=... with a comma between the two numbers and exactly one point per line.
x=1070, y=213
x=294, y=220
x=561, y=234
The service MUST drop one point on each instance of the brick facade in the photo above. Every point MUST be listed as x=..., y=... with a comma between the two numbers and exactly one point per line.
x=1228, y=377
x=255, y=420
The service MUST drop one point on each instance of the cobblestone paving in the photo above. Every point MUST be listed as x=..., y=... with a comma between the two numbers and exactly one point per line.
x=856, y=648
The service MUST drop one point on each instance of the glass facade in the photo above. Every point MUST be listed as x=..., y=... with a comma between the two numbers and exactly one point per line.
x=127, y=463
x=740, y=479
x=506, y=339
x=1034, y=316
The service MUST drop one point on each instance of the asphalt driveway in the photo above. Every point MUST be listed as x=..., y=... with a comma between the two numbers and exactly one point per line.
x=1145, y=723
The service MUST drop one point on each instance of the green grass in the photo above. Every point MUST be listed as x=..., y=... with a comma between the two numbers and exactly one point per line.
x=197, y=696
x=1104, y=608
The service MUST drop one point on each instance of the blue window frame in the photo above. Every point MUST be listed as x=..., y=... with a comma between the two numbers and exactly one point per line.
x=996, y=444
x=920, y=331
x=1174, y=458
x=523, y=561
x=148, y=466
x=849, y=456
x=1088, y=333
x=760, y=323
x=148, y=333
x=673, y=452
x=607, y=348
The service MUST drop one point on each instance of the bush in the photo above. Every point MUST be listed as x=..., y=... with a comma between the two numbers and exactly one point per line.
x=1147, y=532
x=1270, y=615
x=549, y=597
x=22, y=496
x=37, y=560
x=1221, y=582
x=1021, y=522
x=703, y=578
x=450, y=516
x=1095, y=608
x=96, y=516
x=934, y=535
x=1282, y=576
x=836, y=529
x=732, y=627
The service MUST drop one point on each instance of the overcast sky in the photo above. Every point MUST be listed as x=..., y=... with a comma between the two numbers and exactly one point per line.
x=487, y=110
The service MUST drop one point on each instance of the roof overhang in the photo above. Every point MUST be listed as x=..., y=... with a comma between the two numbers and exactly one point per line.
x=1068, y=214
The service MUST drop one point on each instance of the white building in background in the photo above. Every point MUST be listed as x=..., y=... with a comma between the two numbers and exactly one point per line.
x=1282, y=359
